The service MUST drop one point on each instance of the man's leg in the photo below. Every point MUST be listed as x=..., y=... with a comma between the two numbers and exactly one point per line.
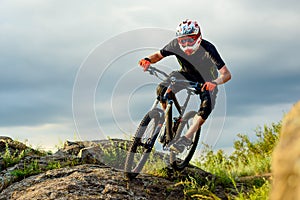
x=186, y=140
x=197, y=123
x=162, y=88
x=207, y=104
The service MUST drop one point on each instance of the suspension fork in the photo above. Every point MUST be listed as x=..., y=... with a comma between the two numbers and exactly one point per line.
x=168, y=113
x=168, y=121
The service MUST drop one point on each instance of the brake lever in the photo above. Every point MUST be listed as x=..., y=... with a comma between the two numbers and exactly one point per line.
x=154, y=71
x=198, y=87
x=150, y=70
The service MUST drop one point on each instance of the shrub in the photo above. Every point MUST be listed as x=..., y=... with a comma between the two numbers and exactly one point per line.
x=11, y=158
x=27, y=170
x=248, y=159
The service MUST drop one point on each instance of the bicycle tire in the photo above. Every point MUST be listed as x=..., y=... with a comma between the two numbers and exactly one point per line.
x=143, y=143
x=179, y=161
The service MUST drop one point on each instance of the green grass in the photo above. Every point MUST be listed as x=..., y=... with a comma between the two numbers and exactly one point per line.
x=195, y=190
x=250, y=159
x=53, y=165
x=257, y=193
x=115, y=154
x=27, y=170
x=156, y=164
x=11, y=158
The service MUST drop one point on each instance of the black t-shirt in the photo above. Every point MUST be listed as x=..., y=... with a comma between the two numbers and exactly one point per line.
x=202, y=65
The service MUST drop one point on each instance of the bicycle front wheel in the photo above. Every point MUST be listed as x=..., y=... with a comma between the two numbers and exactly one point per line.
x=180, y=160
x=143, y=143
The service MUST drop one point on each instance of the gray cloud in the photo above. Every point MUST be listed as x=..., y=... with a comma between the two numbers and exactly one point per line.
x=44, y=43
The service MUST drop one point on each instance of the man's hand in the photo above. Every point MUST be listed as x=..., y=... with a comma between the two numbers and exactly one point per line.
x=210, y=86
x=145, y=63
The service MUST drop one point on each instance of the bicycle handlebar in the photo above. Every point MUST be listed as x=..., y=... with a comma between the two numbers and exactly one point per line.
x=154, y=71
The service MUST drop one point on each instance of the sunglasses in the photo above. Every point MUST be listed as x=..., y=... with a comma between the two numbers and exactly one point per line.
x=188, y=40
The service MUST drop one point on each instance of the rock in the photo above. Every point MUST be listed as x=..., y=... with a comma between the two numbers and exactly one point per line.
x=3, y=143
x=286, y=159
x=91, y=155
x=91, y=182
x=88, y=170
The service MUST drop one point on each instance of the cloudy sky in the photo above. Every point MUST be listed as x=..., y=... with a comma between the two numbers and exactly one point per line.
x=47, y=45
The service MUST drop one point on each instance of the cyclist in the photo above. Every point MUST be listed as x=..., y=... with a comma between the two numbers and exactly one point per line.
x=200, y=62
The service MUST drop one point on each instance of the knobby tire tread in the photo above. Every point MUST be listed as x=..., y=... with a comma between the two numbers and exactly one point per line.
x=155, y=113
x=179, y=166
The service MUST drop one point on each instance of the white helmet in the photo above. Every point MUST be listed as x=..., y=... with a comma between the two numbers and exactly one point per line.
x=189, y=37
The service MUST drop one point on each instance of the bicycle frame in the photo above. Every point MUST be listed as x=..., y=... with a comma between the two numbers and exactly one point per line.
x=171, y=99
x=147, y=133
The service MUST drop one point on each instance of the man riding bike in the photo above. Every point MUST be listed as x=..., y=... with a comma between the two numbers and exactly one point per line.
x=200, y=62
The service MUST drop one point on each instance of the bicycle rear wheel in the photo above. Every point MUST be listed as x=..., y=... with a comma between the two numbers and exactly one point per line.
x=143, y=143
x=180, y=160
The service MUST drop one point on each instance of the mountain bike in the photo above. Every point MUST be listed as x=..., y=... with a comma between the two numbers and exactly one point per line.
x=162, y=125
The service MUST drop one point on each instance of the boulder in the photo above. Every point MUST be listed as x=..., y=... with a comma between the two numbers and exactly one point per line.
x=286, y=159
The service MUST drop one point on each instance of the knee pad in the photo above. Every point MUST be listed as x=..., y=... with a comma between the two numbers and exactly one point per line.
x=207, y=104
x=205, y=108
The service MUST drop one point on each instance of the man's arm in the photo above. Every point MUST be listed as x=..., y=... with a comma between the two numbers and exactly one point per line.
x=155, y=57
x=225, y=76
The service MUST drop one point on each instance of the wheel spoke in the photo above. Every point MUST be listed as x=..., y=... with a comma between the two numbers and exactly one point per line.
x=180, y=160
x=141, y=148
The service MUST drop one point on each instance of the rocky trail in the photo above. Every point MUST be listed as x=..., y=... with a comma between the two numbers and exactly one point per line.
x=78, y=171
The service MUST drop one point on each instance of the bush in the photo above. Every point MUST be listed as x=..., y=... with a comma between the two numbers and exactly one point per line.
x=27, y=170
x=248, y=159
x=11, y=158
